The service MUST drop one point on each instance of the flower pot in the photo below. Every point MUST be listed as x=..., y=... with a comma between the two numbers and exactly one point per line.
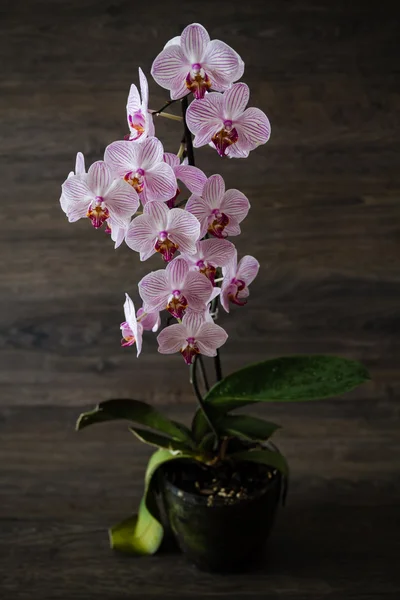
x=227, y=534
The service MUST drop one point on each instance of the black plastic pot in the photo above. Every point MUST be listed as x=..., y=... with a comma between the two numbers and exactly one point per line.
x=221, y=537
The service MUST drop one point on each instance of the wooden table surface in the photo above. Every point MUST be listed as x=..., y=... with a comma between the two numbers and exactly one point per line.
x=325, y=225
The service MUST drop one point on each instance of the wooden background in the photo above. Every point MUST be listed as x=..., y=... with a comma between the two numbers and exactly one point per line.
x=324, y=223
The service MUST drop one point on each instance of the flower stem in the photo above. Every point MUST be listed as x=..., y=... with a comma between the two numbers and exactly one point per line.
x=200, y=400
x=188, y=135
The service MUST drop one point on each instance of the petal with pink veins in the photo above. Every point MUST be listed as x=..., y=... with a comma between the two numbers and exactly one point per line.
x=206, y=113
x=218, y=252
x=254, y=126
x=150, y=153
x=122, y=157
x=214, y=190
x=209, y=338
x=184, y=230
x=247, y=269
x=194, y=41
x=198, y=290
x=236, y=100
x=171, y=159
x=171, y=339
x=80, y=164
x=160, y=183
x=192, y=177
x=122, y=201
x=235, y=204
x=75, y=189
x=177, y=270
x=170, y=64
x=159, y=213
x=223, y=63
x=154, y=290
x=141, y=236
x=201, y=209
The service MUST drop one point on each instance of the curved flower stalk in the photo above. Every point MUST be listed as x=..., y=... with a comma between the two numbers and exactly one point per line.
x=134, y=325
x=79, y=170
x=237, y=278
x=223, y=121
x=162, y=230
x=140, y=121
x=143, y=167
x=176, y=288
x=192, y=177
x=192, y=62
x=218, y=211
x=210, y=254
x=194, y=335
x=100, y=197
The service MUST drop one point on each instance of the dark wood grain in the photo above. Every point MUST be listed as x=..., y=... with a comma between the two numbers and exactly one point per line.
x=325, y=196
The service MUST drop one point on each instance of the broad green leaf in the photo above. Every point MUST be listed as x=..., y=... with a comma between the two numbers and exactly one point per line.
x=133, y=410
x=143, y=533
x=246, y=426
x=288, y=379
x=160, y=441
x=270, y=458
x=140, y=534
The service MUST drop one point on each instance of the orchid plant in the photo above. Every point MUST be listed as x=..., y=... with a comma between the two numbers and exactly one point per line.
x=202, y=271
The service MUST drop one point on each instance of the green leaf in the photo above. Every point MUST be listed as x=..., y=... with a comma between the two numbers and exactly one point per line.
x=160, y=441
x=246, y=426
x=143, y=533
x=133, y=410
x=140, y=534
x=270, y=458
x=288, y=379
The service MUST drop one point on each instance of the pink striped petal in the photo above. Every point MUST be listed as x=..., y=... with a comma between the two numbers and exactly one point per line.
x=217, y=252
x=207, y=112
x=193, y=321
x=170, y=64
x=134, y=103
x=160, y=183
x=201, y=209
x=122, y=201
x=175, y=41
x=154, y=290
x=214, y=190
x=236, y=100
x=194, y=42
x=117, y=232
x=215, y=292
x=254, y=127
x=184, y=230
x=193, y=178
x=141, y=236
x=209, y=338
x=144, y=88
x=171, y=339
x=80, y=164
x=177, y=270
x=221, y=59
x=77, y=210
x=171, y=159
x=99, y=178
x=239, y=150
x=235, y=204
x=122, y=157
x=150, y=153
x=158, y=213
x=226, y=291
x=150, y=320
x=198, y=290
x=233, y=227
x=247, y=269
x=205, y=135
x=75, y=188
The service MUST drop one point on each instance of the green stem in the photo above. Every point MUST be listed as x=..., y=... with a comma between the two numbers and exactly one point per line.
x=204, y=373
x=200, y=400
